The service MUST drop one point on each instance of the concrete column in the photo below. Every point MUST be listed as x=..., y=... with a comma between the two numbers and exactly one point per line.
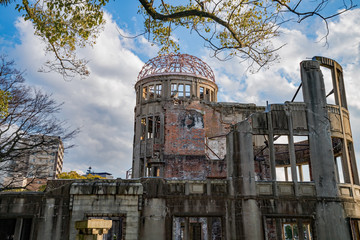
x=272, y=152
x=154, y=213
x=321, y=153
x=329, y=212
x=292, y=150
x=243, y=176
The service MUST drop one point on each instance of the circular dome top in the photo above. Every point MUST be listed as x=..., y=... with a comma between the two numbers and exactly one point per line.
x=183, y=64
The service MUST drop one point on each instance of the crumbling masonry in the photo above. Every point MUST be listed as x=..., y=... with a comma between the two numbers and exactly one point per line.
x=206, y=170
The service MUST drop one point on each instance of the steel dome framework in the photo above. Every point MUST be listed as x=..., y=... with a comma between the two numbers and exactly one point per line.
x=176, y=64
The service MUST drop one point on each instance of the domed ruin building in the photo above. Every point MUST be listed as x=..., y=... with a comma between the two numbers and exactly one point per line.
x=205, y=170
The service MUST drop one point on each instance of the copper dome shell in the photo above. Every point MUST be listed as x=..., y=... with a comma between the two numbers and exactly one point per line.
x=182, y=64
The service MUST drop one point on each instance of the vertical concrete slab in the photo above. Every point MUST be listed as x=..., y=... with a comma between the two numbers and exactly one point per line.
x=330, y=217
x=321, y=153
x=154, y=214
x=243, y=175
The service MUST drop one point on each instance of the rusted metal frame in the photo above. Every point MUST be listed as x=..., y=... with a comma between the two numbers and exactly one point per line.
x=212, y=151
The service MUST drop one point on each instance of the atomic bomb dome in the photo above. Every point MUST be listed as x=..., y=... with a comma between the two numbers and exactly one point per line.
x=183, y=64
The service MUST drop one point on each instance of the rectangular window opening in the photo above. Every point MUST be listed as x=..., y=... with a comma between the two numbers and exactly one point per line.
x=355, y=228
x=201, y=93
x=158, y=90
x=151, y=92
x=143, y=129
x=207, y=94
x=187, y=91
x=144, y=93
x=282, y=158
x=181, y=90
x=302, y=154
x=156, y=171
x=328, y=82
x=157, y=127
x=340, y=161
x=339, y=169
x=173, y=90
x=150, y=128
x=197, y=228
x=261, y=158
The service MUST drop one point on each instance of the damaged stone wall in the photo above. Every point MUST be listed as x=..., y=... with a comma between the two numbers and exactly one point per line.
x=195, y=137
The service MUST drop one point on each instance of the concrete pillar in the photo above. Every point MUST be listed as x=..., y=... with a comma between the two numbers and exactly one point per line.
x=154, y=213
x=247, y=211
x=329, y=212
x=321, y=153
x=92, y=229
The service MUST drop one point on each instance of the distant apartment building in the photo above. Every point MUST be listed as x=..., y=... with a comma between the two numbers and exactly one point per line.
x=35, y=166
x=101, y=174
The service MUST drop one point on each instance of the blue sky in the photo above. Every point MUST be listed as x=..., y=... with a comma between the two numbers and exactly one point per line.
x=102, y=105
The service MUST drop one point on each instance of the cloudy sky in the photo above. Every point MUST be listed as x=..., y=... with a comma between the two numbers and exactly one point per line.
x=102, y=105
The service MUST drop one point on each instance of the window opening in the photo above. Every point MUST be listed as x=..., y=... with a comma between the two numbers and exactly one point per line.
x=148, y=171
x=197, y=228
x=187, y=91
x=173, y=90
x=342, y=173
x=261, y=158
x=339, y=169
x=328, y=82
x=150, y=127
x=355, y=228
x=156, y=171
x=158, y=89
x=290, y=231
x=143, y=128
x=144, y=93
x=157, y=127
x=151, y=92
x=207, y=94
x=282, y=158
x=181, y=90
x=201, y=93
x=302, y=154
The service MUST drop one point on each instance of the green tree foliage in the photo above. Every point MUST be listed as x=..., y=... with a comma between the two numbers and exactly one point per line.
x=243, y=28
x=4, y=102
x=75, y=175
x=64, y=25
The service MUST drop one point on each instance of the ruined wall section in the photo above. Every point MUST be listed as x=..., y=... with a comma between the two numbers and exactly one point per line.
x=195, y=137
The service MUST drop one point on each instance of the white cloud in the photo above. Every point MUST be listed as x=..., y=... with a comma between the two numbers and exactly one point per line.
x=279, y=83
x=101, y=105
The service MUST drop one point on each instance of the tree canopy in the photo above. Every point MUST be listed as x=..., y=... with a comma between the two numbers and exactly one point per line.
x=75, y=175
x=243, y=28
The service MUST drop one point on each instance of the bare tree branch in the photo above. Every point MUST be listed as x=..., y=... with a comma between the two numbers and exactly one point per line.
x=30, y=127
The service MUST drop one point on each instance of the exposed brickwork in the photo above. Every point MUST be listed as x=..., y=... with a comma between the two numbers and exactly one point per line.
x=193, y=167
